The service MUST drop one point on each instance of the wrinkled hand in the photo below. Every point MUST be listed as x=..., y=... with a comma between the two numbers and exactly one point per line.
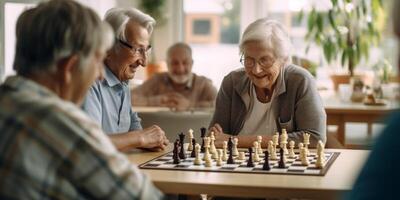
x=219, y=134
x=153, y=138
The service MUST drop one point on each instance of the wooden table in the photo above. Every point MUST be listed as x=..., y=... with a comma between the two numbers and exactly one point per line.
x=338, y=179
x=340, y=112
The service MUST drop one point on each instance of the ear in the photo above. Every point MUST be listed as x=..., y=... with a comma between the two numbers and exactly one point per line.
x=65, y=68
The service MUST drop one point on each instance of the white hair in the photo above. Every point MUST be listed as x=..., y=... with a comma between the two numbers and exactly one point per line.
x=119, y=17
x=270, y=33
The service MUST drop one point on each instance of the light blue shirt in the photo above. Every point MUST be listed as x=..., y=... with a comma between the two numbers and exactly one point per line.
x=108, y=102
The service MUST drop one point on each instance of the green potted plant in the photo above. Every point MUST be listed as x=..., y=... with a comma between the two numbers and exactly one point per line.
x=346, y=30
x=154, y=8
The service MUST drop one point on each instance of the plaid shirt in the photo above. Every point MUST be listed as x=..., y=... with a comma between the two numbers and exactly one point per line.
x=50, y=149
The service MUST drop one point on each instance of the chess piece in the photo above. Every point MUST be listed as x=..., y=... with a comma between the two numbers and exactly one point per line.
x=219, y=159
x=275, y=140
x=235, y=149
x=208, y=162
x=303, y=157
x=250, y=161
x=306, y=138
x=175, y=156
x=230, y=157
x=212, y=144
x=182, y=154
x=242, y=156
x=266, y=162
x=203, y=134
x=284, y=138
x=256, y=157
x=272, y=151
x=281, y=163
x=206, y=155
x=230, y=144
x=259, y=140
x=301, y=145
x=224, y=149
x=291, y=150
x=197, y=160
x=193, y=154
x=320, y=163
x=190, y=147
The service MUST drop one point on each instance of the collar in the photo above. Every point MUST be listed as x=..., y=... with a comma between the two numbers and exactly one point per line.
x=111, y=80
x=21, y=83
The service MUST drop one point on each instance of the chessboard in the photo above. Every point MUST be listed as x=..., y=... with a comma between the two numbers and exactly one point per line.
x=293, y=165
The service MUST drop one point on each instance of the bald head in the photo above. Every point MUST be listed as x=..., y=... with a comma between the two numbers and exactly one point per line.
x=180, y=62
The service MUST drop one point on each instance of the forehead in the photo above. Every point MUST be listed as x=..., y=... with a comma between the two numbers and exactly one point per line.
x=136, y=34
x=179, y=52
x=257, y=49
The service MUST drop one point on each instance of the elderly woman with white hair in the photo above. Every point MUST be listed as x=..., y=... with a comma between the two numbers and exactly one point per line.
x=269, y=93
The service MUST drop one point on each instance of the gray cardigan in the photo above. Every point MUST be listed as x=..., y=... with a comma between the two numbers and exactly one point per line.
x=300, y=107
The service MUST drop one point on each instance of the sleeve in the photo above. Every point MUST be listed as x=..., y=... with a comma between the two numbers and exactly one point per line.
x=208, y=95
x=135, y=121
x=309, y=114
x=222, y=113
x=92, y=104
x=147, y=93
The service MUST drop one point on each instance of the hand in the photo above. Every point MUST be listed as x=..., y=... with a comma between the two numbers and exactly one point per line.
x=219, y=134
x=154, y=138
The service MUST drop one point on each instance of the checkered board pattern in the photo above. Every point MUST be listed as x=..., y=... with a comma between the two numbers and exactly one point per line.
x=293, y=165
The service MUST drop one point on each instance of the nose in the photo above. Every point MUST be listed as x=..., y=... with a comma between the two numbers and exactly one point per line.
x=257, y=68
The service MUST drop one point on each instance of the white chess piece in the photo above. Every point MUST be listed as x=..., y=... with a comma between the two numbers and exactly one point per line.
x=272, y=151
x=206, y=155
x=197, y=160
x=235, y=151
x=275, y=139
x=259, y=140
x=291, y=151
x=306, y=137
x=320, y=163
x=190, y=147
x=256, y=157
x=242, y=156
x=284, y=138
x=224, y=149
x=219, y=159
x=213, y=150
x=303, y=157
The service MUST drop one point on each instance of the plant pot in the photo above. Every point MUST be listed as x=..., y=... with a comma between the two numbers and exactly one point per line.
x=155, y=67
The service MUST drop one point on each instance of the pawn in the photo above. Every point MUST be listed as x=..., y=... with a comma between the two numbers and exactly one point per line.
x=208, y=162
x=219, y=159
x=266, y=162
x=303, y=157
x=291, y=149
x=193, y=153
x=242, y=156
x=250, y=161
x=197, y=160
x=234, y=147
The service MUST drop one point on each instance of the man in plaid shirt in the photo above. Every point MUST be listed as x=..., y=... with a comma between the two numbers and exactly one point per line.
x=49, y=148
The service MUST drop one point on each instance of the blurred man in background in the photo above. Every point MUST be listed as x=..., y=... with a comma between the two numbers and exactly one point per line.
x=49, y=148
x=179, y=88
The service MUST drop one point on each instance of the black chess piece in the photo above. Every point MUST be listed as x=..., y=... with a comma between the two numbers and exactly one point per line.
x=203, y=134
x=230, y=157
x=175, y=152
x=182, y=154
x=250, y=160
x=266, y=161
x=230, y=144
x=193, y=154
x=281, y=163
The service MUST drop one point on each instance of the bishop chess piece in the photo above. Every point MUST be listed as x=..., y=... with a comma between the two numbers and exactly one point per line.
x=266, y=162
x=235, y=144
x=306, y=137
x=224, y=151
x=259, y=140
x=250, y=161
x=193, y=153
x=190, y=147
x=282, y=162
x=182, y=154
x=203, y=134
x=175, y=156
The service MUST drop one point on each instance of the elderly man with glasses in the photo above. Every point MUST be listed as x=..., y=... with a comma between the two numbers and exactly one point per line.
x=269, y=93
x=109, y=100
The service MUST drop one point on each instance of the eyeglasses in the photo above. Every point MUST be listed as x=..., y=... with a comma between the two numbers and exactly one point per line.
x=144, y=51
x=265, y=62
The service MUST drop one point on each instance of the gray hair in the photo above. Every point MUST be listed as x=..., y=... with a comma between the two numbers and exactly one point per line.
x=118, y=19
x=55, y=30
x=272, y=34
x=179, y=45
